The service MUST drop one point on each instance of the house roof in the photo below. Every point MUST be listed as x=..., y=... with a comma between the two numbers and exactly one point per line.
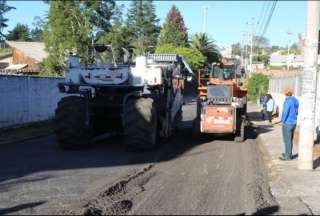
x=280, y=73
x=298, y=58
x=34, y=50
x=16, y=66
x=276, y=58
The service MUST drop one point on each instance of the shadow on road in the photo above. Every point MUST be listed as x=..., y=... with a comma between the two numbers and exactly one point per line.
x=255, y=116
x=265, y=211
x=316, y=163
x=43, y=154
x=20, y=207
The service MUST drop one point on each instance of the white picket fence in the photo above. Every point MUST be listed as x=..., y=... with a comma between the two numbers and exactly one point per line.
x=26, y=99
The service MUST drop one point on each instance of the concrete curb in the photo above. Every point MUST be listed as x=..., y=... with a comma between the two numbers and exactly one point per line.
x=280, y=187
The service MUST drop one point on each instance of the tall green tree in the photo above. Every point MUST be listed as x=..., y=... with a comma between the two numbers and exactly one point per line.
x=100, y=14
x=275, y=48
x=174, y=30
x=236, y=49
x=4, y=8
x=72, y=26
x=37, y=32
x=20, y=32
x=260, y=41
x=68, y=30
x=115, y=36
x=206, y=46
x=141, y=26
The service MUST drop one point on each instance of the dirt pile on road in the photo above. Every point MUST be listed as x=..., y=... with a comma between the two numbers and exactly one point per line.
x=117, y=199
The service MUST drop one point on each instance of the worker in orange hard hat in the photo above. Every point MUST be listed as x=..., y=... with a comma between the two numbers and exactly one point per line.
x=289, y=121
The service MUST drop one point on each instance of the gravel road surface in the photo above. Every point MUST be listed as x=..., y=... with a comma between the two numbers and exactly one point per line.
x=213, y=175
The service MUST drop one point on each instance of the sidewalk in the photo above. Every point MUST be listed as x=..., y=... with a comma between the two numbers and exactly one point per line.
x=296, y=191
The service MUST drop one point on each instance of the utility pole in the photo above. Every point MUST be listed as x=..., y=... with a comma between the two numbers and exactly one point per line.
x=244, y=49
x=204, y=24
x=309, y=86
x=288, y=52
x=252, y=24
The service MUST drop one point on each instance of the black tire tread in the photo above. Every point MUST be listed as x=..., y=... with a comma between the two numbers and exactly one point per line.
x=240, y=135
x=137, y=123
x=70, y=129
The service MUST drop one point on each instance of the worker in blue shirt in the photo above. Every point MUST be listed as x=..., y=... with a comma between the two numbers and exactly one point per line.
x=262, y=102
x=289, y=121
x=269, y=108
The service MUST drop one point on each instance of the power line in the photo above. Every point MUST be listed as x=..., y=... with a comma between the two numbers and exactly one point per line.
x=269, y=18
x=262, y=10
x=266, y=16
x=263, y=14
x=268, y=21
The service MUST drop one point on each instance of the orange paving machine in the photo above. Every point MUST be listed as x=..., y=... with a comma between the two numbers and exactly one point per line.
x=221, y=102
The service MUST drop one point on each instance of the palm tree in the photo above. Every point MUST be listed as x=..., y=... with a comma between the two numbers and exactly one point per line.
x=206, y=46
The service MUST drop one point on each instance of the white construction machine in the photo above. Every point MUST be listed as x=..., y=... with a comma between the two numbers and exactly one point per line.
x=141, y=99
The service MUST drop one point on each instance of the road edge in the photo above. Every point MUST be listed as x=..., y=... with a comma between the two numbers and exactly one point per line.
x=36, y=133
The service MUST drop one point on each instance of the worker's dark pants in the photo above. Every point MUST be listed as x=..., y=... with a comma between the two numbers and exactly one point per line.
x=263, y=112
x=287, y=134
x=269, y=116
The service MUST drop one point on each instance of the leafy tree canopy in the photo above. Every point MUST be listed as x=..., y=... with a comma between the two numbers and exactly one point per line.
x=72, y=26
x=236, y=49
x=115, y=36
x=261, y=42
x=258, y=84
x=20, y=32
x=194, y=58
x=100, y=12
x=202, y=43
x=174, y=30
x=39, y=24
x=141, y=26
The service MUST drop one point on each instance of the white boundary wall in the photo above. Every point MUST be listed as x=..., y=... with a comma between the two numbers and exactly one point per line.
x=26, y=99
x=277, y=86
